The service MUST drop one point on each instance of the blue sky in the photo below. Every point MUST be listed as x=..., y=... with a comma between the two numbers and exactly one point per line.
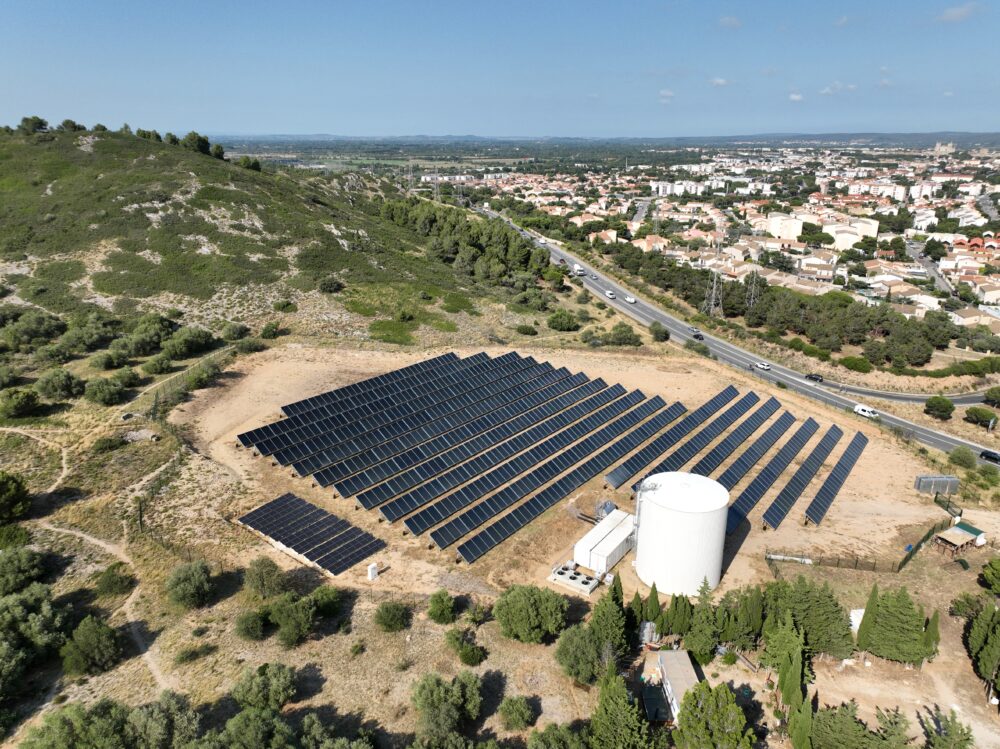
x=538, y=67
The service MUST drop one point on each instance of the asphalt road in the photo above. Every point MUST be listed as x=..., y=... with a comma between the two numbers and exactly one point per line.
x=832, y=394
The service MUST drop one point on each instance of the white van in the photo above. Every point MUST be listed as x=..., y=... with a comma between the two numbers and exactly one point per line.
x=867, y=411
x=609, y=294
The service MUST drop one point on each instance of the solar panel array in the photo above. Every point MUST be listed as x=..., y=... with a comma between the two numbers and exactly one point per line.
x=472, y=449
x=800, y=479
x=820, y=505
x=312, y=533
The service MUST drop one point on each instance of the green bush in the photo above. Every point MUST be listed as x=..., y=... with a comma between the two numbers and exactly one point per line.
x=856, y=364
x=621, y=334
x=13, y=536
x=16, y=403
x=270, y=330
x=697, y=347
x=962, y=457
x=92, y=649
x=563, y=321
x=267, y=687
x=250, y=625
x=14, y=497
x=114, y=581
x=463, y=643
x=294, y=618
x=159, y=364
x=249, y=346
x=327, y=600
x=284, y=305
x=192, y=653
x=939, y=407
x=109, y=360
x=190, y=585
x=529, y=613
x=526, y=330
x=264, y=578
x=108, y=444
x=59, y=383
x=331, y=285
x=992, y=397
x=202, y=375
x=234, y=331
x=979, y=416
x=441, y=607
x=659, y=332
x=19, y=567
x=126, y=377
x=105, y=391
x=7, y=377
x=516, y=713
x=391, y=616
x=187, y=342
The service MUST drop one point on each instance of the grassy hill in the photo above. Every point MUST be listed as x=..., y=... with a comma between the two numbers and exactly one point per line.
x=108, y=220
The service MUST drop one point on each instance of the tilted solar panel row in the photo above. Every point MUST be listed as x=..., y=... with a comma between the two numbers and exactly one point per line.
x=770, y=473
x=500, y=382
x=749, y=457
x=408, y=469
x=488, y=471
x=450, y=429
x=294, y=421
x=269, y=509
x=686, y=452
x=497, y=503
x=818, y=508
x=797, y=484
x=737, y=437
x=504, y=528
x=357, y=391
x=402, y=403
x=668, y=439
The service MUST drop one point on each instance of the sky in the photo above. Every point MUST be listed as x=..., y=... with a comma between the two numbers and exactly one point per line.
x=512, y=68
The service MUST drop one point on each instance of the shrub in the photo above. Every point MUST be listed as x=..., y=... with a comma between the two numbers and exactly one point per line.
x=463, y=642
x=19, y=567
x=114, y=581
x=202, y=376
x=194, y=652
x=516, y=713
x=294, y=618
x=13, y=536
x=962, y=457
x=105, y=391
x=579, y=654
x=126, y=377
x=991, y=575
x=110, y=359
x=979, y=416
x=249, y=346
x=357, y=648
x=270, y=330
x=268, y=687
x=7, y=377
x=190, y=585
x=856, y=364
x=391, y=616
x=234, y=331
x=659, y=332
x=16, y=403
x=108, y=444
x=331, y=285
x=441, y=607
x=264, y=578
x=621, y=334
x=327, y=600
x=526, y=330
x=250, y=625
x=697, y=347
x=186, y=342
x=562, y=321
x=159, y=364
x=284, y=305
x=992, y=397
x=939, y=407
x=14, y=497
x=529, y=613
x=58, y=383
x=92, y=649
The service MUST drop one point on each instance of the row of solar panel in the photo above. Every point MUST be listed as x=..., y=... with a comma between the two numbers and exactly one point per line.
x=327, y=418
x=302, y=442
x=324, y=539
x=737, y=437
x=463, y=442
x=820, y=505
x=446, y=471
x=303, y=416
x=356, y=392
x=446, y=431
x=574, y=424
x=492, y=506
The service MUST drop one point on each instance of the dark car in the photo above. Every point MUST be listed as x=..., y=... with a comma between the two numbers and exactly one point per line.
x=814, y=377
x=698, y=337
x=990, y=456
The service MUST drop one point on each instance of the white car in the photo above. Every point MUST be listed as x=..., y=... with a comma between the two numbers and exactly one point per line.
x=630, y=300
x=763, y=365
x=609, y=294
x=867, y=411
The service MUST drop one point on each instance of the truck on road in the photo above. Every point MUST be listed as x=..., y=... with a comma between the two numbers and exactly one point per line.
x=578, y=270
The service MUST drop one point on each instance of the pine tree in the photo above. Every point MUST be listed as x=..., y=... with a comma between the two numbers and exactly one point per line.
x=868, y=620
x=617, y=722
x=899, y=628
x=607, y=624
x=633, y=615
x=980, y=629
x=779, y=643
x=951, y=733
x=987, y=660
x=800, y=726
x=932, y=635
x=703, y=637
x=893, y=729
x=616, y=591
x=679, y=615
x=652, y=605
x=791, y=689
x=711, y=718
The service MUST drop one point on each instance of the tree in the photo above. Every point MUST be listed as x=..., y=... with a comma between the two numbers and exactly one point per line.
x=168, y=722
x=893, y=729
x=14, y=497
x=190, y=585
x=703, y=637
x=530, y=614
x=616, y=591
x=557, y=736
x=16, y=403
x=616, y=722
x=800, y=726
x=93, y=648
x=992, y=397
x=443, y=707
x=652, y=608
x=962, y=457
x=711, y=718
x=264, y=578
x=579, y=654
x=268, y=687
x=949, y=733
x=196, y=142
x=218, y=151
x=839, y=728
x=939, y=407
x=516, y=713
x=441, y=607
x=32, y=125
x=867, y=625
x=659, y=332
x=563, y=321
x=251, y=729
x=18, y=569
x=392, y=616
x=621, y=334
x=678, y=616
x=607, y=624
x=898, y=631
x=59, y=383
x=932, y=635
x=294, y=617
x=979, y=416
x=991, y=575
x=104, y=391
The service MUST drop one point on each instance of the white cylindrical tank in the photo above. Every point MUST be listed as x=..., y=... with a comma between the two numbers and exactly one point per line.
x=682, y=531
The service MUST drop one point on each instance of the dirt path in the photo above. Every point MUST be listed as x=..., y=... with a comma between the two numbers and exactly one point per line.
x=63, y=452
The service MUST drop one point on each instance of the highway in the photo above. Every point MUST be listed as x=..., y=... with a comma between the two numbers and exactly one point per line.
x=832, y=394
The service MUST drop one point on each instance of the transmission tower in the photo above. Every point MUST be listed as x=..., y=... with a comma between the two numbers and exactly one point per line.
x=409, y=177
x=712, y=301
x=437, y=186
x=753, y=290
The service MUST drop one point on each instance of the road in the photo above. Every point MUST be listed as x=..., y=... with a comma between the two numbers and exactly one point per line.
x=641, y=208
x=987, y=206
x=832, y=394
x=916, y=250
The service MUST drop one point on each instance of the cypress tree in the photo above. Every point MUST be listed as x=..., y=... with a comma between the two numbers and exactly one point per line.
x=987, y=660
x=868, y=620
x=980, y=629
x=932, y=635
x=637, y=608
x=680, y=614
x=652, y=605
x=607, y=624
x=703, y=637
x=893, y=729
x=899, y=628
x=616, y=592
x=617, y=722
x=800, y=726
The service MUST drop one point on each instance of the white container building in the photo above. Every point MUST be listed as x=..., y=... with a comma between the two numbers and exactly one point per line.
x=681, y=520
x=603, y=546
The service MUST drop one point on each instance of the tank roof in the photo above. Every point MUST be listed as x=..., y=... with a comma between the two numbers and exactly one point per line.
x=684, y=492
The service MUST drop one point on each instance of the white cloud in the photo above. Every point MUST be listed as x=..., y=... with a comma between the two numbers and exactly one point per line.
x=842, y=21
x=948, y=93
x=957, y=13
x=719, y=82
x=666, y=96
x=730, y=22
x=795, y=96
x=836, y=87
x=885, y=83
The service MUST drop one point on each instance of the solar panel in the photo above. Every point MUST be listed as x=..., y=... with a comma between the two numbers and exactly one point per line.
x=770, y=473
x=680, y=457
x=737, y=437
x=668, y=439
x=749, y=457
x=492, y=506
x=818, y=508
x=312, y=533
x=797, y=484
x=489, y=471
x=489, y=537
x=471, y=437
